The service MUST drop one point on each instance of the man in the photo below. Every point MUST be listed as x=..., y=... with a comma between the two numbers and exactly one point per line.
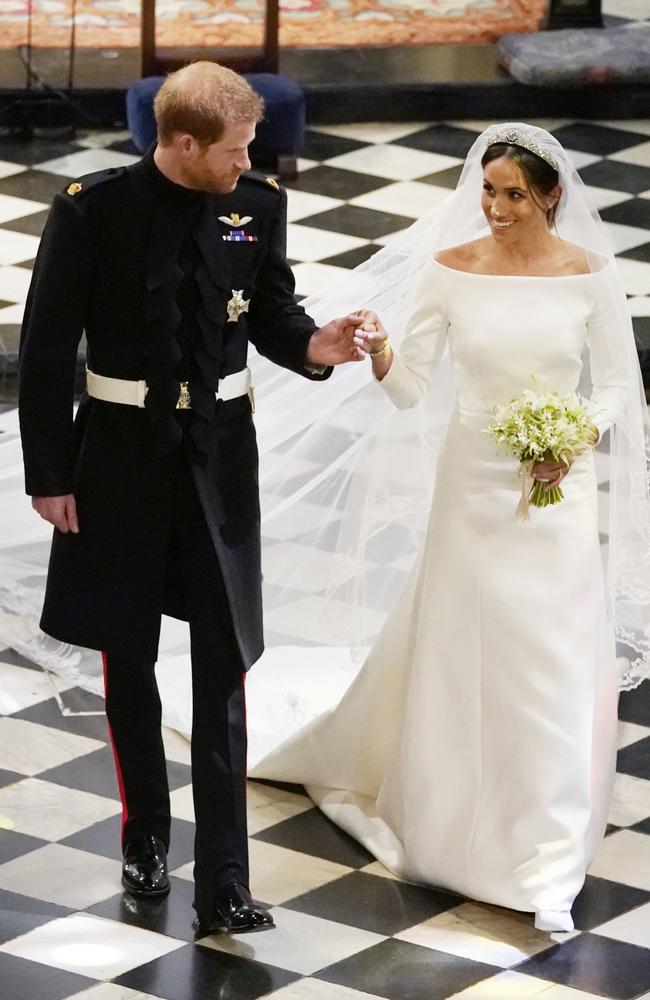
x=171, y=266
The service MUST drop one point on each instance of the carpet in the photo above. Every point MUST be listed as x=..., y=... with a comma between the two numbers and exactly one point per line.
x=116, y=23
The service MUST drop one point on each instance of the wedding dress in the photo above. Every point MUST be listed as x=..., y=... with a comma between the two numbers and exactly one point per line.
x=475, y=750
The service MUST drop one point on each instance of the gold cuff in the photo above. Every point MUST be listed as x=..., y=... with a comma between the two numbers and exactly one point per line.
x=377, y=354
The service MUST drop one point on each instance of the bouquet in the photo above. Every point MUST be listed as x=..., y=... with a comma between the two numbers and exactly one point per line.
x=542, y=427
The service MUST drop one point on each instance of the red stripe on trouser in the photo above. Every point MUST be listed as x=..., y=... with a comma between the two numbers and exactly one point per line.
x=118, y=769
x=243, y=677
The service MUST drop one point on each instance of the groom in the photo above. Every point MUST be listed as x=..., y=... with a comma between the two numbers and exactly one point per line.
x=170, y=266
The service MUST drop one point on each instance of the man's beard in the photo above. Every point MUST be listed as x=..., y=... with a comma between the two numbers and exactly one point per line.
x=202, y=179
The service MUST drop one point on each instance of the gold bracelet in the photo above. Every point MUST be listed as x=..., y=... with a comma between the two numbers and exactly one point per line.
x=384, y=348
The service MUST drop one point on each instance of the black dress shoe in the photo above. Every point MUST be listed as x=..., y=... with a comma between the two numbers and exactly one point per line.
x=144, y=868
x=235, y=912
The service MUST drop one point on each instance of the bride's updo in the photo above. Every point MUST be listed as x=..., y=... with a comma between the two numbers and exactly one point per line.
x=540, y=176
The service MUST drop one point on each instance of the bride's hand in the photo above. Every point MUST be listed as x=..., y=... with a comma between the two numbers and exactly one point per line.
x=371, y=336
x=552, y=473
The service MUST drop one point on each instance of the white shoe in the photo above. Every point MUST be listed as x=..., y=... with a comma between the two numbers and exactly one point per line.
x=553, y=920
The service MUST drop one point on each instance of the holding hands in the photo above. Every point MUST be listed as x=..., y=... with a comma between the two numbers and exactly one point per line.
x=370, y=335
x=335, y=343
x=351, y=338
x=372, y=339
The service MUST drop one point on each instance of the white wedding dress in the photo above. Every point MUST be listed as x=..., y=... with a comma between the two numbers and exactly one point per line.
x=475, y=749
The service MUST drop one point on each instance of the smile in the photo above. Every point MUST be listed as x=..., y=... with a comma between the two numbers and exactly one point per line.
x=502, y=225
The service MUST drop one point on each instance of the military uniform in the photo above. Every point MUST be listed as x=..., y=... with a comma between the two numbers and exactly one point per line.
x=169, y=285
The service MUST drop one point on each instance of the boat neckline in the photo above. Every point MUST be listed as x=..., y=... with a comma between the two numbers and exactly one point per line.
x=520, y=277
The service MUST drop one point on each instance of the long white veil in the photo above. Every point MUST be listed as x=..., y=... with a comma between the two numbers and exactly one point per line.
x=346, y=486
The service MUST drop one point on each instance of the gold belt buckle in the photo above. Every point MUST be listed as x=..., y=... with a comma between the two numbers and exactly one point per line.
x=184, y=401
x=251, y=396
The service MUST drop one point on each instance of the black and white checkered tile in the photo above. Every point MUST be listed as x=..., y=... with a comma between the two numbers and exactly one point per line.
x=625, y=13
x=346, y=929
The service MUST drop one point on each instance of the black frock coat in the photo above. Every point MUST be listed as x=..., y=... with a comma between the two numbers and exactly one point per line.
x=109, y=264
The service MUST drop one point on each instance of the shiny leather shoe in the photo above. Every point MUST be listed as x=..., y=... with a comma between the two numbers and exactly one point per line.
x=235, y=912
x=144, y=868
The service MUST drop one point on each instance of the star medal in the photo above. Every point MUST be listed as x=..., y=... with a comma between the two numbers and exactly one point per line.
x=237, y=305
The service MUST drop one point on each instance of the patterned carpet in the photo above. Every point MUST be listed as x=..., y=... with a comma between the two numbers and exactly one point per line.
x=104, y=23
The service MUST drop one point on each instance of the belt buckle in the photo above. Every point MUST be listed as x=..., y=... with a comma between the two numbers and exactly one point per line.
x=251, y=396
x=184, y=401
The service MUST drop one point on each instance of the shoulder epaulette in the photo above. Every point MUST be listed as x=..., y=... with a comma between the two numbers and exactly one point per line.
x=88, y=182
x=270, y=183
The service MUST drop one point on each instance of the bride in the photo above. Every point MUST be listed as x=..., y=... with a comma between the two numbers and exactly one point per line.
x=441, y=675
x=475, y=750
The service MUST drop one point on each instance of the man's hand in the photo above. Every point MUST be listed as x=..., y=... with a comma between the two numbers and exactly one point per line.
x=59, y=511
x=334, y=343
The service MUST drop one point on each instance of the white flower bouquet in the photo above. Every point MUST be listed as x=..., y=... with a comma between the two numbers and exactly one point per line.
x=542, y=427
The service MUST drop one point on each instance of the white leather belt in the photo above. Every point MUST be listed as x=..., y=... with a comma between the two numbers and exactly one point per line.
x=121, y=390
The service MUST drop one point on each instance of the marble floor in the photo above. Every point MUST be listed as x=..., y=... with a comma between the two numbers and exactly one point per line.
x=347, y=930
x=358, y=185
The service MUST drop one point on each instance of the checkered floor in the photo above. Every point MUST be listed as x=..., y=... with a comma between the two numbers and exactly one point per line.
x=346, y=929
x=358, y=185
x=622, y=13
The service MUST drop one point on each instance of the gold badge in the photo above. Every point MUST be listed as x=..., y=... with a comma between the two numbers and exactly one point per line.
x=274, y=184
x=74, y=188
x=184, y=401
x=237, y=305
x=235, y=219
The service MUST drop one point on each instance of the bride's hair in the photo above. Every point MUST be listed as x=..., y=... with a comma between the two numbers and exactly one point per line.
x=540, y=176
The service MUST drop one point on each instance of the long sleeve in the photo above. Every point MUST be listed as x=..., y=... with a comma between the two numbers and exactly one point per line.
x=606, y=358
x=424, y=342
x=54, y=321
x=279, y=327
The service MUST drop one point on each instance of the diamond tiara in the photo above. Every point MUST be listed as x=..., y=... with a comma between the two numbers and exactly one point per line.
x=514, y=137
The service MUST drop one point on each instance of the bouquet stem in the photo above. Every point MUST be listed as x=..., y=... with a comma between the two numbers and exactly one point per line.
x=541, y=497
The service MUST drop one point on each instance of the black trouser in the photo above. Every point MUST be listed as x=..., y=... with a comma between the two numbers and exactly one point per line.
x=219, y=717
